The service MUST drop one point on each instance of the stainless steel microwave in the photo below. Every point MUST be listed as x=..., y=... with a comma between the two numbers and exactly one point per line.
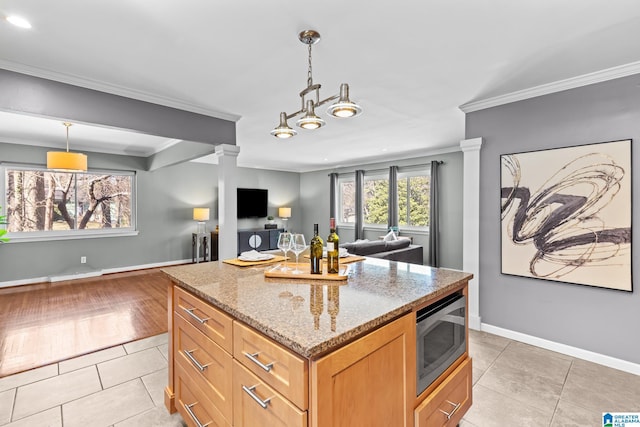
x=440, y=337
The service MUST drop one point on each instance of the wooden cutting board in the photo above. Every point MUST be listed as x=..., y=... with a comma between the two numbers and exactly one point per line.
x=306, y=275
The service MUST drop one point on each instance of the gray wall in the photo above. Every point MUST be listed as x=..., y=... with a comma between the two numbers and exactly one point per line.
x=165, y=198
x=314, y=200
x=595, y=319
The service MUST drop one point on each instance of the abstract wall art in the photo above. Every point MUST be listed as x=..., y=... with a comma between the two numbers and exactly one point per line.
x=566, y=214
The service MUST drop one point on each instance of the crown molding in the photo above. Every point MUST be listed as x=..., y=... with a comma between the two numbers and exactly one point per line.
x=548, y=88
x=115, y=90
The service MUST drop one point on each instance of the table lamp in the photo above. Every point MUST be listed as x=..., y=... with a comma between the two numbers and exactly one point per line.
x=284, y=214
x=201, y=215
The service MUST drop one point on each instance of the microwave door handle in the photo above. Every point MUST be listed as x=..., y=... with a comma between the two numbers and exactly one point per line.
x=451, y=318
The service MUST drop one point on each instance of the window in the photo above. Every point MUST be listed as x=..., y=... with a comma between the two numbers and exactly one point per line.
x=413, y=199
x=347, y=200
x=45, y=203
x=375, y=199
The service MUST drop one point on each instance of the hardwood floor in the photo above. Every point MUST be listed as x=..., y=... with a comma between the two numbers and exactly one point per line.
x=49, y=322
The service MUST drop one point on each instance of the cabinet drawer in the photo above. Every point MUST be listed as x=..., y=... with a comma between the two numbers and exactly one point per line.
x=206, y=318
x=193, y=405
x=206, y=362
x=257, y=404
x=283, y=370
x=449, y=401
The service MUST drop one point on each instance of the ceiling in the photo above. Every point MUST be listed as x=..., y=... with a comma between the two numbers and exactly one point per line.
x=410, y=66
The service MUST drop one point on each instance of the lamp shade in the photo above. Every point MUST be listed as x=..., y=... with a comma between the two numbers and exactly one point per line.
x=201, y=214
x=284, y=212
x=66, y=161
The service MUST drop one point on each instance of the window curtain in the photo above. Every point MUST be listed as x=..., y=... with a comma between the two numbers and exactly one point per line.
x=359, y=225
x=434, y=217
x=333, y=200
x=392, y=221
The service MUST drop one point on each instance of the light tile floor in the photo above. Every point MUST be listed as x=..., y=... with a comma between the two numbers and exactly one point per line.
x=122, y=386
x=515, y=384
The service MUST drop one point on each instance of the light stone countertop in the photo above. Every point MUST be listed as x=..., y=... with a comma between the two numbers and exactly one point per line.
x=314, y=317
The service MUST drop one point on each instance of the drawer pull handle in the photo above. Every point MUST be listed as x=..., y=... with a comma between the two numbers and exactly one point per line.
x=193, y=416
x=198, y=365
x=249, y=391
x=456, y=406
x=192, y=314
x=254, y=358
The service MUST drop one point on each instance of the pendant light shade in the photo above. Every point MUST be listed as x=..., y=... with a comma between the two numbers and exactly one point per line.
x=283, y=130
x=65, y=160
x=344, y=107
x=310, y=120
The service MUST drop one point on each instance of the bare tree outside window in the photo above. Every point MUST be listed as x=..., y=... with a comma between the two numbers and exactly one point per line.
x=43, y=200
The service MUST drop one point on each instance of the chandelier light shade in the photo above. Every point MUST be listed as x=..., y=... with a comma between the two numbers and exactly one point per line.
x=67, y=161
x=283, y=130
x=342, y=108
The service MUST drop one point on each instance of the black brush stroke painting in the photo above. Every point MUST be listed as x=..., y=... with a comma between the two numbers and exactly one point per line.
x=566, y=214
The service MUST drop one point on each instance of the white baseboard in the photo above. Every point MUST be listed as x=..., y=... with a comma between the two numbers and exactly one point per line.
x=96, y=273
x=21, y=282
x=145, y=266
x=579, y=353
x=72, y=276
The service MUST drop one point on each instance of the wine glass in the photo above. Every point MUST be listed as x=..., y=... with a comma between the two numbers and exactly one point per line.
x=284, y=244
x=297, y=246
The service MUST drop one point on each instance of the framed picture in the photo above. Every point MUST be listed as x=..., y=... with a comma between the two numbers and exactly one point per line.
x=566, y=214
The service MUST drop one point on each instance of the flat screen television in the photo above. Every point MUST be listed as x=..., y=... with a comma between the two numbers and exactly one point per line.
x=252, y=202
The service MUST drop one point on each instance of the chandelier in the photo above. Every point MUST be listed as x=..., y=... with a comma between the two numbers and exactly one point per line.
x=343, y=108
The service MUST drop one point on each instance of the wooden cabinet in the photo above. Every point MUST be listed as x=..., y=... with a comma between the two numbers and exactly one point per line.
x=193, y=404
x=257, y=404
x=206, y=362
x=368, y=382
x=225, y=373
x=260, y=240
x=450, y=400
x=275, y=365
x=213, y=323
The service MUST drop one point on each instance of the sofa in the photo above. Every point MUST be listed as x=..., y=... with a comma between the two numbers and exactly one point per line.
x=396, y=250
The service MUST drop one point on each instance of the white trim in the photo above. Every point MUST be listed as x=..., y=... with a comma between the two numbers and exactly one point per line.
x=116, y=90
x=73, y=276
x=558, y=86
x=579, y=353
x=18, y=238
x=475, y=322
x=96, y=273
x=471, y=224
x=21, y=282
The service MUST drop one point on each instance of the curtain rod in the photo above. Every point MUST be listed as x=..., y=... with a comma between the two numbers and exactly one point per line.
x=440, y=162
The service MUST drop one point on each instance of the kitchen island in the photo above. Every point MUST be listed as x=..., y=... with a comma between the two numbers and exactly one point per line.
x=249, y=350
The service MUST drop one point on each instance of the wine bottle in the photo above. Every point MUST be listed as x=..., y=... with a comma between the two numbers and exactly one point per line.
x=333, y=249
x=315, y=251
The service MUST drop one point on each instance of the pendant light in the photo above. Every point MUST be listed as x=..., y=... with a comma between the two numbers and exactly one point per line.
x=65, y=160
x=343, y=108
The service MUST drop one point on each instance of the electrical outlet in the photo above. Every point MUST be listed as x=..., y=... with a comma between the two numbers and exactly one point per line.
x=83, y=260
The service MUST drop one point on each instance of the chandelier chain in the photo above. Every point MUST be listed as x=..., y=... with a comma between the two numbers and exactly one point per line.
x=309, y=72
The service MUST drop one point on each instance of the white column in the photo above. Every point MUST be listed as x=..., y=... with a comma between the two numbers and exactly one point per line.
x=471, y=224
x=227, y=200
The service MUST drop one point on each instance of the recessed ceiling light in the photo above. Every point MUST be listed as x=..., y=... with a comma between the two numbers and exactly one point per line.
x=18, y=21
